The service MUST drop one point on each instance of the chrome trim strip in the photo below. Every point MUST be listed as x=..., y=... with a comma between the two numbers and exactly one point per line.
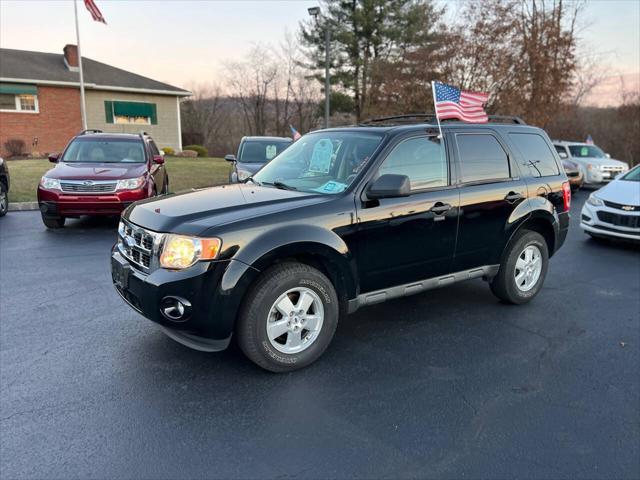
x=407, y=289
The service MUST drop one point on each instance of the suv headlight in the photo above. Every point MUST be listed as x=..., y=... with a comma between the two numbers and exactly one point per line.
x=50, y=183
x=595, y=200
x=243, y=175
x=130, y=183
x=180, y=251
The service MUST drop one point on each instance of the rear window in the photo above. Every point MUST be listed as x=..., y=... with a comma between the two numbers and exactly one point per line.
x=260, y=151
x=96, y=150
x=482, y=158
x=538, y=160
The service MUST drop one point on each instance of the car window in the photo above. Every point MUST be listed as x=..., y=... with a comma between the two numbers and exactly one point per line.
x=482, y=158
x=94, y=150
x=153, y=148
x=586, y=151
x=324, y=162
x=260, y=151
x=422, y=159
x=538, y=158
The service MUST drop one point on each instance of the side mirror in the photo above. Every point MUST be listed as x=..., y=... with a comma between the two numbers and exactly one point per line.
x=159, y=159
x=607, y=155
x=230, y=157
x=54, y=157
x=563, y=154
x=390, y=186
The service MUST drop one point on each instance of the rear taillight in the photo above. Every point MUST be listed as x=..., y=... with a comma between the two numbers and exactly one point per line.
x=566, y=196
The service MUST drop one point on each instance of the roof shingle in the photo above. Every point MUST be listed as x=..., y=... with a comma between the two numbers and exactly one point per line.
x=50, y=67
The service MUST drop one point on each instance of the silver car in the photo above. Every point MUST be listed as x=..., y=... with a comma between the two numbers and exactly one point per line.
x=597, y=167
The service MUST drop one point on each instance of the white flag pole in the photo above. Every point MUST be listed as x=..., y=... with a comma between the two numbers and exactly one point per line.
x=435, y=109
x=83, y=111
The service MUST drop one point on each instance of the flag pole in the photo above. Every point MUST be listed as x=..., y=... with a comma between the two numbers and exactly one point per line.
x=83, y=111
x=435, y=108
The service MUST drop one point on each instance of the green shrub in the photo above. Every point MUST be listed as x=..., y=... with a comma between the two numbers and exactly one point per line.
x=168, y=151
x=202, y=151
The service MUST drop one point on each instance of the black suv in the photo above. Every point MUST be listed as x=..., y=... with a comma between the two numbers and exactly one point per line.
x=4, y=187
x=345, y=218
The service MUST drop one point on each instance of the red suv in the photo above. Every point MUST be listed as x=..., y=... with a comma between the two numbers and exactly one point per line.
x=101, y=174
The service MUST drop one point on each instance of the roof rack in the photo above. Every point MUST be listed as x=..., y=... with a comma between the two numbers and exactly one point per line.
x=431, y=118
x=90, y=130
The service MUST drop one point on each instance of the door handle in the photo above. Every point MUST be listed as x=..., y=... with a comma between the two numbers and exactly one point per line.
x=439, y=209
x=513, y=197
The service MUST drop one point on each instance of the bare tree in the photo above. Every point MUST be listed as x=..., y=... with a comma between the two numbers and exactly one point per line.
x=251, y=82
x=203, y=114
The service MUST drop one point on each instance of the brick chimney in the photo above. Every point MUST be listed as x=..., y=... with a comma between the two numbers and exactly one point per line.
x=71, y=57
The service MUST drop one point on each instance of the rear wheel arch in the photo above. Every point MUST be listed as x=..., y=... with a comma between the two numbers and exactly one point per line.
x=540, y=222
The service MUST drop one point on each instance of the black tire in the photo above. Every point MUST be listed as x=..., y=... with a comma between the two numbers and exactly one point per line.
x=53, y=222
x=251, y=329
x=504, y=284
x=4, y=200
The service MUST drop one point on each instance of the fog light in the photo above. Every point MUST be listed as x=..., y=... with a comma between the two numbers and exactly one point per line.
x=175, y=309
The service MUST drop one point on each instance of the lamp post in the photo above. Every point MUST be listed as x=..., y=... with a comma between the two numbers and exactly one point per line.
x=315, y=13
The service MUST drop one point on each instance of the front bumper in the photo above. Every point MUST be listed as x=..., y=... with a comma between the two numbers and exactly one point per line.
x=57, y=203
x=610, y=222
x=211, y=319
x=595, y=176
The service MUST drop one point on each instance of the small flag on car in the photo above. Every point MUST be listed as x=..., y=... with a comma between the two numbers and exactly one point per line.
x=95, y=12
x=451, y=102
x=295, y=133
x=589, y=140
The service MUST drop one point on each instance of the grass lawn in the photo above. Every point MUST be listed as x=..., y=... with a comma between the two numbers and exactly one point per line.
x=184, y=173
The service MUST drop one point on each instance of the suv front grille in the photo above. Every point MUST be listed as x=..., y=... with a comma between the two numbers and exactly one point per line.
x=88, y=186
x=139, y=245
x=611, y=168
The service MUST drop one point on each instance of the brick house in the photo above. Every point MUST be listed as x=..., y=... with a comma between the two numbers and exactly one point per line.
x=40, y=101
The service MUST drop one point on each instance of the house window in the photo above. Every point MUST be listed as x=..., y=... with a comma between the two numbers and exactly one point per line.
x=137, y=120
x=18, y=103
x=130, y=113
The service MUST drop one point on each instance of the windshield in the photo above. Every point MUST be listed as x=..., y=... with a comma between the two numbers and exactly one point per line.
x=633, y=175
x=95, y=150
x=586, y=151
x=322, y=162
x=260, y=151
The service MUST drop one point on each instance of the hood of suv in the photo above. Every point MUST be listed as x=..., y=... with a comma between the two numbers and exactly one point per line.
x=194, y=212
x=96, y=171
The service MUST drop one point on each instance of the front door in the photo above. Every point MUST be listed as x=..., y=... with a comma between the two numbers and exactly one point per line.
x=401, y=240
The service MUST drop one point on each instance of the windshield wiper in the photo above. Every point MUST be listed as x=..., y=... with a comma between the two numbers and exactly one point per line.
x=280, y=185
x=252, y=180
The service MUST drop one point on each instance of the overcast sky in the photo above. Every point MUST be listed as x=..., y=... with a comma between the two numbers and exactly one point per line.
x=182, y=42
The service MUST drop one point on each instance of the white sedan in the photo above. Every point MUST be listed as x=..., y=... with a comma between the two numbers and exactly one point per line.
x=614, y=210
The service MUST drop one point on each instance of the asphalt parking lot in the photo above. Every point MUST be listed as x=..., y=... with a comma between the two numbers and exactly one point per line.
x=448, y=384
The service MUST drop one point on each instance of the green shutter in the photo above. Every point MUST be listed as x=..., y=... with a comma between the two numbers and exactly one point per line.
x=154, y=114
x=18, y=89
x=133, y=109
x=108, y=111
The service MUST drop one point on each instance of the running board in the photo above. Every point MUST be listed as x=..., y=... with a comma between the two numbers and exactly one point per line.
x=379, y=296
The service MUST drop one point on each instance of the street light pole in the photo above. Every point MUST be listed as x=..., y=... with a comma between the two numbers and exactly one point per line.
x=315, y=13
x=327, y=81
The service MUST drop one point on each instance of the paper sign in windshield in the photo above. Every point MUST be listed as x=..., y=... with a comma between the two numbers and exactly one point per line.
x=331, y=187
x=584, y=152
x=271, y=152
x=321, y=156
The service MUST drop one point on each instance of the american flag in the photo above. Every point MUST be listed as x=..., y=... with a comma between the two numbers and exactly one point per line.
x=295, y=133
x=451, y=102
x=95, y=12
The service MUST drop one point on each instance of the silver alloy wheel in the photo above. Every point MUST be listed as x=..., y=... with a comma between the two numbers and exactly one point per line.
x=4, y=205
x=295, y=320
x=528, y=268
